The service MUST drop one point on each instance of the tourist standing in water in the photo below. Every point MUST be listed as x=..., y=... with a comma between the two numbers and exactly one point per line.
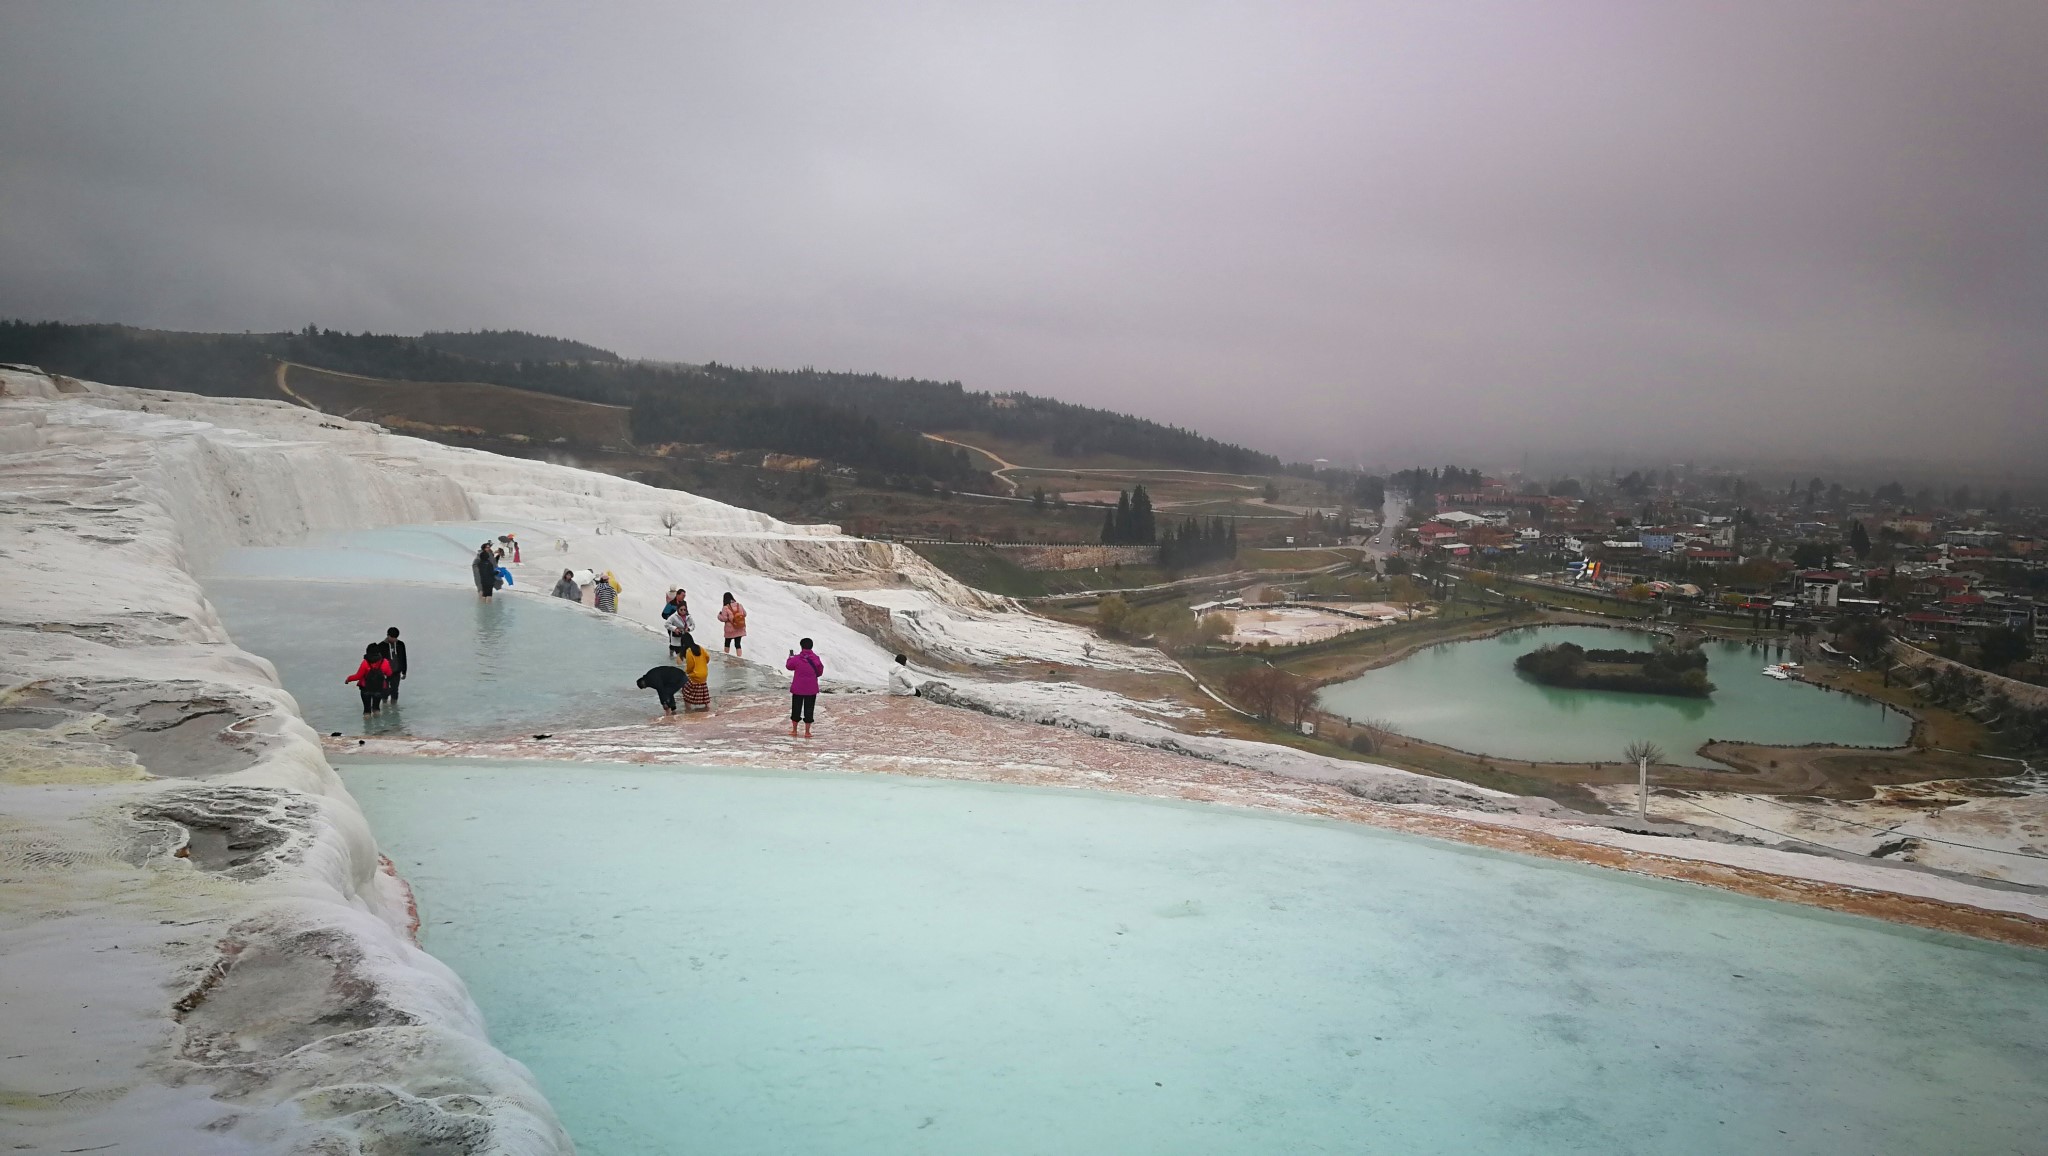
x=675, y=614
x=734, y=616
x=804, y=668
x=607, y=593
x=484, y=568
x=372, y=678
x=664, y=681
x=696, y=674
x=394, y=653
x=567, y=587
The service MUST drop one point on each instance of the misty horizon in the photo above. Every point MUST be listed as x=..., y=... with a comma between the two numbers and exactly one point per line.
x=1586, y=232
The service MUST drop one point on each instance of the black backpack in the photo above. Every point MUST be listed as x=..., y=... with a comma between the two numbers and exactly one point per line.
x=374, y=681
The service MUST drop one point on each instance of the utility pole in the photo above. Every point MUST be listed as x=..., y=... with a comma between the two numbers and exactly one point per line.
x=1643, y=788
x=1644, y=753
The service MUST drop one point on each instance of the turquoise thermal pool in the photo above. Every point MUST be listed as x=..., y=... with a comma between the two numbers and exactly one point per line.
x=480, y=668
x=725, y=962
x=1467, y=695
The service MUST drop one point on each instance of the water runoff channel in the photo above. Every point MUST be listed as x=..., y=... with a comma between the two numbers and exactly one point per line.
x=713, y=960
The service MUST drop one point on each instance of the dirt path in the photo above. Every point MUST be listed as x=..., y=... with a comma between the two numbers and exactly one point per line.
x=1002, y=471
x=284, y=387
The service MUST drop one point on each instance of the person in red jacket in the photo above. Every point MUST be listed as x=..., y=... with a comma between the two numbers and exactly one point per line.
x=373, y=678
x=804, y=668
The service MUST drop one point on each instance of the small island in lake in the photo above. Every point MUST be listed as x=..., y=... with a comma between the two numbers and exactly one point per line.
x=1669, y=669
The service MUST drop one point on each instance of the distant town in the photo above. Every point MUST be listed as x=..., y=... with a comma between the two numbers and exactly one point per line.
x=1959, y=573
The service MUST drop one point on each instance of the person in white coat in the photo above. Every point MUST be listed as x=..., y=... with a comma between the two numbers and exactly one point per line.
x=900, y=684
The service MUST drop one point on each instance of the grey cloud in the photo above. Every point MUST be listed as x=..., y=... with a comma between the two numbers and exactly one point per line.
x=1355, y=231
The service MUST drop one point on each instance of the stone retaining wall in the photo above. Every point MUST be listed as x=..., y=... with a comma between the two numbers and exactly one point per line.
x=1076, y=557
x=2024, y=693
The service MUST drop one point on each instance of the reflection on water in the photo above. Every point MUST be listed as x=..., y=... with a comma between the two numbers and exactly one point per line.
x=1468, y=695
x=480, y=667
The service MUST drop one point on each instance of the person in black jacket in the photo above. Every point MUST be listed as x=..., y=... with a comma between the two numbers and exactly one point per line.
x=664, y=681
x=484, y=569
x=394, y=651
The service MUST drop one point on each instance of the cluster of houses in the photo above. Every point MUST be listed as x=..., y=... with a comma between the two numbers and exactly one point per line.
x=1930, y=573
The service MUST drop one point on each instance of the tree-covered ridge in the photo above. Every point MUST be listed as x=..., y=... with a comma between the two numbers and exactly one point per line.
x=824, y=431
x=218, y=364
x=514, y=345
x=239, y=365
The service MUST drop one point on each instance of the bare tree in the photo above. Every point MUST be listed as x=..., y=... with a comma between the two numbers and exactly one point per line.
x=1370, y=736
x=671, y=519
x=1258, y=689
x=1298, y=697
x=1643, y=750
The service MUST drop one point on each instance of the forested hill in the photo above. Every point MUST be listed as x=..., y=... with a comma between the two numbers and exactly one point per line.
x=765, y=403
x=513, y=345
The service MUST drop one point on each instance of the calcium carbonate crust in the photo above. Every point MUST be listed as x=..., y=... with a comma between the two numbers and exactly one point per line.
x=216, y=957
x=206, y=953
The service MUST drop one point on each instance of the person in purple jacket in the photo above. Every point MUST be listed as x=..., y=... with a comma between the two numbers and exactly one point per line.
x=804, y=668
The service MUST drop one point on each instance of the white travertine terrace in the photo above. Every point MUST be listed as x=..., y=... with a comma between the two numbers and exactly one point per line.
x=205, y=951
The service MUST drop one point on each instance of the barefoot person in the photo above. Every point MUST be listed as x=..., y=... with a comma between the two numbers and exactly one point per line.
x=677, y=620
x=372, y=678
x=664, y=681
x=394, y=653
x=804, y=668
x=734, y=616
x=484, y=569
x=696, y=674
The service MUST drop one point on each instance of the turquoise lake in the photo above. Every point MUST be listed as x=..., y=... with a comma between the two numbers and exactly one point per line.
x=1467, y=695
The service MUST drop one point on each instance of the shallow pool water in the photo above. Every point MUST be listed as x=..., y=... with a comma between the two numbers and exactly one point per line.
x=725, y=962
x=428, y=553
x=1468, y=695
x=480, y=668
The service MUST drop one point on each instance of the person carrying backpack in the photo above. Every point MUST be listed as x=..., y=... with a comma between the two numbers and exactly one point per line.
x=734, y=616
x=804, y=668
x=607, y=593
x=372, y=678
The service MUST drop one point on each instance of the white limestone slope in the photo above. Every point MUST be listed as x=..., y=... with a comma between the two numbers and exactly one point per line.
x=204, y=955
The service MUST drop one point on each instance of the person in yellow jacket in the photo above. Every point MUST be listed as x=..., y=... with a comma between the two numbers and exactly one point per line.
x=696, y=675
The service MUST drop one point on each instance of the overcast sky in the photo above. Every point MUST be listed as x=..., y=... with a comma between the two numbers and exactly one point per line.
x=1378, y=231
